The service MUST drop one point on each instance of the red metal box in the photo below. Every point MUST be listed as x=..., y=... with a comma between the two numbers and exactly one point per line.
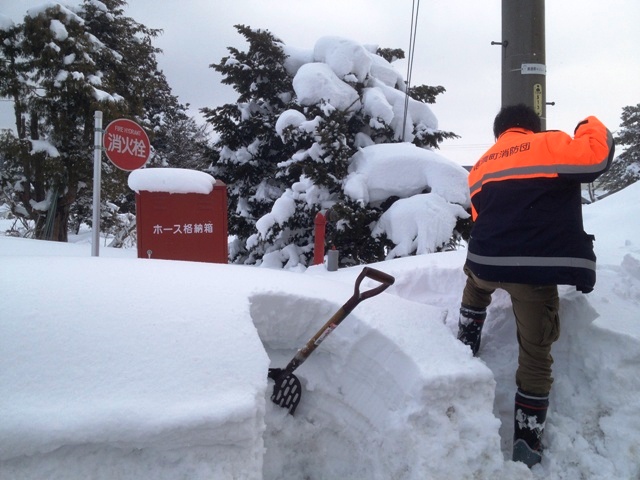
x=183, y=226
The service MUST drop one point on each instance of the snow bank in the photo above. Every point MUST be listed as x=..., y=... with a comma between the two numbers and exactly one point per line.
x=378, y=403
x=615, y=237
x=162, y=369
x=138, y=366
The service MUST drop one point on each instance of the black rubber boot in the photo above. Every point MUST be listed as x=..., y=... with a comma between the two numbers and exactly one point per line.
x=530, y=414
x=470, y=325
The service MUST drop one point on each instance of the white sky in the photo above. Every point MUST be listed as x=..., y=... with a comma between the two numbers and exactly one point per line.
x=591, y=52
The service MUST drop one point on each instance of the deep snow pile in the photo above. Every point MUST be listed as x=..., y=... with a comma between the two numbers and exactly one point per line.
x=130, y=368
x=127, y=363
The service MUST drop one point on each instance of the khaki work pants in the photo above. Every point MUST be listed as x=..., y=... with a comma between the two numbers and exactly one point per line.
x=538, y=326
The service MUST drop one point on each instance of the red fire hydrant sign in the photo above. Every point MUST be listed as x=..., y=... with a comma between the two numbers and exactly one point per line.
x=126, y=144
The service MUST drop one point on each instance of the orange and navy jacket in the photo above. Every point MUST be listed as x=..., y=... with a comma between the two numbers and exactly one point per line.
x=527, y=206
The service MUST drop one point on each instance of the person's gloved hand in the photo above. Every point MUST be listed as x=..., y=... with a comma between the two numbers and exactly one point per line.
x=583, y=122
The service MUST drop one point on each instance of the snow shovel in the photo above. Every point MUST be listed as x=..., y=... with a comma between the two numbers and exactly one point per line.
x=287, y=388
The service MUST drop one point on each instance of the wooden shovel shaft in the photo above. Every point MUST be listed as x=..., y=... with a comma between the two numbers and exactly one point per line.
x=313, y=343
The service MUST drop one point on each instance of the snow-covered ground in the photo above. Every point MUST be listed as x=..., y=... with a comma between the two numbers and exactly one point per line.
x=118, y=367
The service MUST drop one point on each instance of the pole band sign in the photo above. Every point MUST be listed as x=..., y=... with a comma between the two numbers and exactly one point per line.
x=537, y=99
x=126, y=144
x=533, y=69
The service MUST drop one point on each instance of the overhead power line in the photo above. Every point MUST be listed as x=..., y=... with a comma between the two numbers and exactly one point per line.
x=412, y=46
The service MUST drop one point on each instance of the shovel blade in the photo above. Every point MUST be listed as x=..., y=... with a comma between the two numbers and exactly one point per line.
x=286, y=390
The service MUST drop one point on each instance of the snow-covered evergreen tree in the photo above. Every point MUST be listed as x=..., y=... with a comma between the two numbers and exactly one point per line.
x=313, y=179
x=248, y=147
x=625, y=168
x=54, y=113
x=62, y=66
x=331, y=102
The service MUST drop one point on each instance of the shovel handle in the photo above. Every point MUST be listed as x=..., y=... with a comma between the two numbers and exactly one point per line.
x=385, y=280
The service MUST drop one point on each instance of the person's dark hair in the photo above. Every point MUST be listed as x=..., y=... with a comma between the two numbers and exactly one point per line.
x=516, y=116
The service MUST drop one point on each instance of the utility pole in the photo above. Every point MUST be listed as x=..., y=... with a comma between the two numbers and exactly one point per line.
x=523, y=55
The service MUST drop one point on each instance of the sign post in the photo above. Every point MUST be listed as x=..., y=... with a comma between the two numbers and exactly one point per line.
x=127, y=146
x=97, y=170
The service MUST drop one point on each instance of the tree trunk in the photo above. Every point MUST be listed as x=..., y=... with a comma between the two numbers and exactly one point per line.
x=57, y=228
x=60, y=231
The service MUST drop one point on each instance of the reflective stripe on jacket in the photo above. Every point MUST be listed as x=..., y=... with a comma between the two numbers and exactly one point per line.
x=527, y=206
